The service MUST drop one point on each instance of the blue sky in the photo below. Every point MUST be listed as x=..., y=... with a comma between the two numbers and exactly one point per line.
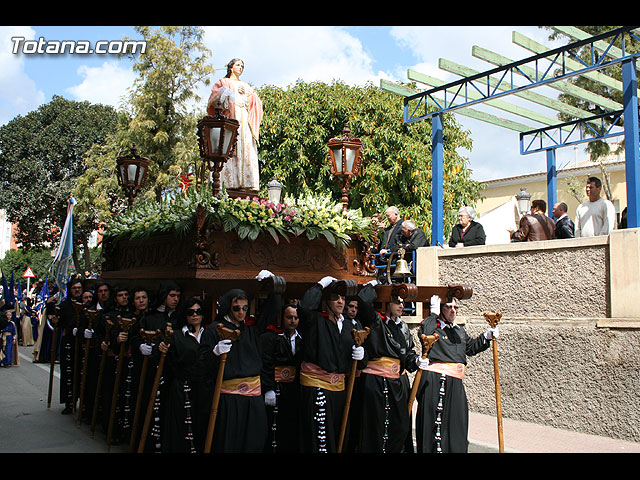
x=280, y=56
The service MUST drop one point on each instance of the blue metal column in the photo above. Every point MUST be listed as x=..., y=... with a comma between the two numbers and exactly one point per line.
x=437, y=179
x=631, y=143
x=552, y=181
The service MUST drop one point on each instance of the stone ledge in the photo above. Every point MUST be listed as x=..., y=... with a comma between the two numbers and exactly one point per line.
x=524, y=246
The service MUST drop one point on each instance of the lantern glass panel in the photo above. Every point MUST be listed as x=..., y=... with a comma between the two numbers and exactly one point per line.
x=351, y=157
x=337, y=156
x=228, y=135
x=214, y=140
x=131, y=174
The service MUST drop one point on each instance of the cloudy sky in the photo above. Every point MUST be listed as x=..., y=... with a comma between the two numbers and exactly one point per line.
x=280, y=55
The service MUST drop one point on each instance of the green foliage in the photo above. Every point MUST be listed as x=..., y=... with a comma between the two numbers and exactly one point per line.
x=300, y=120
x=41, y=157
x=308, y=215
x=159, y=121
x=18, y=261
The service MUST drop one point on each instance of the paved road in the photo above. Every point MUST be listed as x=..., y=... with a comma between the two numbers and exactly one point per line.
x=28, y=426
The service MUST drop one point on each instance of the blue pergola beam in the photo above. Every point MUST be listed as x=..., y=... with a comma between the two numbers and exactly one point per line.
x=437, y=183
x=542, y=76
x=631, y=142
x=552, y=181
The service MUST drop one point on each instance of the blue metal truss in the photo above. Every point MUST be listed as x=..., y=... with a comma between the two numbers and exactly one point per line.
x=571, y=133
x=425, y=105
x=489, y=88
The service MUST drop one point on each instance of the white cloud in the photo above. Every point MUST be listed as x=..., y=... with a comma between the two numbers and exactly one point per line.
x=281, y=55
x=105, y=84
x=18, y=93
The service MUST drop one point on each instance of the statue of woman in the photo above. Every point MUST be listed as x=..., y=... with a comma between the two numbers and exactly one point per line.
x=239, y=101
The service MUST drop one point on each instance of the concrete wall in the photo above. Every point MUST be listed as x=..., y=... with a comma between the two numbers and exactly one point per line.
x=569, y=334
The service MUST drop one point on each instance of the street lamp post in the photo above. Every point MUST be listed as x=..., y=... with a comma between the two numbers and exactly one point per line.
x=274, y=189
x=345, y=154
x=523, y=198
x=132, y=173
x=217, y=139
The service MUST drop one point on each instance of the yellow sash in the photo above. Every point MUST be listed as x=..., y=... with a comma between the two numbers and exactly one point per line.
x=313, y=376
x=451, y=369
x=248, y=386
x=284, y=373
x=384, y=366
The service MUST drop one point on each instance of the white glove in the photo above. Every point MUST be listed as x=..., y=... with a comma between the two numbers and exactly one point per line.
x=145, y=349
x=357, y=353
x=435, y=304
x=373, y=283
x=75, y=330
x=264, y=274
x=326, y=281
x=491, y=333
x=270, y=398
x=422, y=363
x=88, y=333
x=223, y=346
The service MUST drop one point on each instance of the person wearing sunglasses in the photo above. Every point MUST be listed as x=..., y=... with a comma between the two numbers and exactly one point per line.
x=241, y=423
x=386, y=422
x=184, y=425
x=445, y=430
x=328, y=353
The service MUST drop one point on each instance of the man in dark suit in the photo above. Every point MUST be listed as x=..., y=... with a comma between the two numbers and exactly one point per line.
x=388, y=243
x=564, y=225
x=410, y=236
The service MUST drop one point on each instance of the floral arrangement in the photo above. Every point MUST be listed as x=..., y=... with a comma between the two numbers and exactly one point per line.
x=314, y=216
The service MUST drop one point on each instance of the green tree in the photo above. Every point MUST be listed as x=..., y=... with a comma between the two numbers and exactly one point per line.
x=18, y=260
x=156, y=118
x=300, y=120
x=161, y=123
x=40, y=158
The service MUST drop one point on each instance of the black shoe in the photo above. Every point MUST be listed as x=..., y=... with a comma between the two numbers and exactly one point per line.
x=67, y=410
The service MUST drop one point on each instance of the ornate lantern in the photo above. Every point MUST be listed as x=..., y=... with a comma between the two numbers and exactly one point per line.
x=345, y=154
x=132, y=173
x=217, y=140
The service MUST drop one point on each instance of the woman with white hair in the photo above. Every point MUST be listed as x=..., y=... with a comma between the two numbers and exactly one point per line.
x=467, y=232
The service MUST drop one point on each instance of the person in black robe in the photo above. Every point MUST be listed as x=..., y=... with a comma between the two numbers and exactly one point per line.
x=385, y=418
x=98, y=347
x=328, y=353
x=120, y=339
x=86, y=331
x=165, y=312
x=183, y=429
x=281, y=347
x=442, y=416
x=140, y=305
x=241, y=422
x=69, y=320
